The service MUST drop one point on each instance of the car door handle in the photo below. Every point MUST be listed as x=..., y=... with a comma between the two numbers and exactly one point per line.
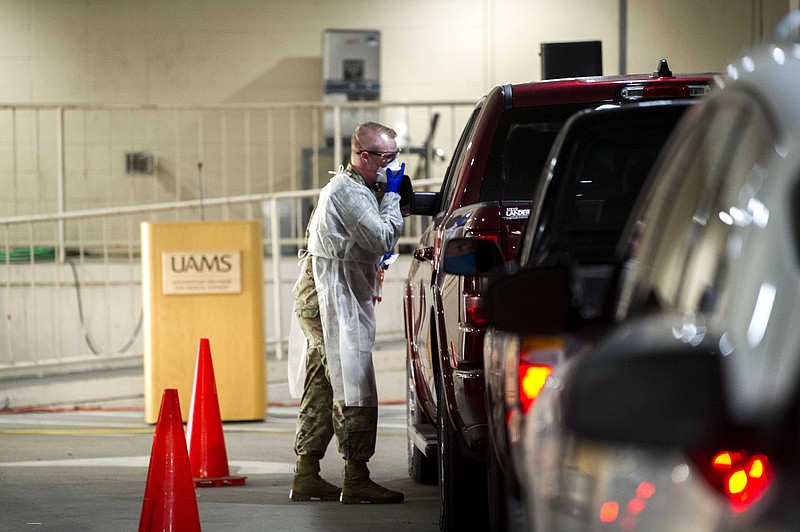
x=422, y=254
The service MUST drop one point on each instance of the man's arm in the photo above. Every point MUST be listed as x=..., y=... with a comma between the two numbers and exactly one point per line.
x=374, y=228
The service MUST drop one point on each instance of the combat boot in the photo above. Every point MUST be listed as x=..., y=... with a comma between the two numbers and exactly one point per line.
x=307, y=483
x=359, y=488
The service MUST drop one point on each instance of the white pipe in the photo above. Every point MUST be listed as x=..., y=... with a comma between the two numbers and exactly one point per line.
x=623, y=36
x=61, y=185
x=337, y=135
x=274, y=227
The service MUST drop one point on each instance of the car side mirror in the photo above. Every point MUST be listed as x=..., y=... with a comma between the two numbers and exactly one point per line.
x=473, y=256
x=406, y=192
x=423, y=203
x=533, y=301
x=643, y=385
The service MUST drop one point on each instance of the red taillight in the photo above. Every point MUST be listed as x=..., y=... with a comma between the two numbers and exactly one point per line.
x=666, y=91
x=492, y=235
x=537, y=357
x=610, y=511
x=645, y=489
x=531, y=381
x=474, y=312
x=742, y=477
x=656, y=92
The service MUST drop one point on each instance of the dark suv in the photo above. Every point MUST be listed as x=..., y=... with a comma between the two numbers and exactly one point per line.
x=597, y=168
x=706, y=357
x=486, y=193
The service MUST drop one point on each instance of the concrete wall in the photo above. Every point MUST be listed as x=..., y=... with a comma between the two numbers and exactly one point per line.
x=186, y=52
x=242, y=51
x=171, y=51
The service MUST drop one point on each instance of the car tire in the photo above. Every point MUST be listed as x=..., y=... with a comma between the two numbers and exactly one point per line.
x=421, y=469
x=506, y=511
x=462, y=482
x=497, y=493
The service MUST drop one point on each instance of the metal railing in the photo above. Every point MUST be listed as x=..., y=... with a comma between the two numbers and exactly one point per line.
x=75, y=198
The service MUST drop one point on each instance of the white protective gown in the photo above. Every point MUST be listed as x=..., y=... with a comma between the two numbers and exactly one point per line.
x=349, y=234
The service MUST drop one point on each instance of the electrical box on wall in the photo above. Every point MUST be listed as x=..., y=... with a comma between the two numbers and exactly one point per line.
x=138, y=162
x=350, y=72
x=351, y=63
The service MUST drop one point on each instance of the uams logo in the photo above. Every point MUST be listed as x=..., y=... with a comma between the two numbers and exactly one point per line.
x=219, y=263
x=515, y=213
x=209, y=272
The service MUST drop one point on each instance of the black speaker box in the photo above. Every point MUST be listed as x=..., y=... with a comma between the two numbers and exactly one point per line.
x=571, y=59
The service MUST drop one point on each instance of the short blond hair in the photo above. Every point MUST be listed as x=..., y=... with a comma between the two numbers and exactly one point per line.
x=367, y=132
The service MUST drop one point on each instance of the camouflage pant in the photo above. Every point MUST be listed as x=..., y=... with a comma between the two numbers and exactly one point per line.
x=320, y=417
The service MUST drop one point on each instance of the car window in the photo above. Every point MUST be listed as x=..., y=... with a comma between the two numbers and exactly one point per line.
x=519, y=150
x=598, y=169
x=449, y=183
x=699, y=199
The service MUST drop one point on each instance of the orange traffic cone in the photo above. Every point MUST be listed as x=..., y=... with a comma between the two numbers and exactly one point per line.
x=204, y=431
x=169, y=499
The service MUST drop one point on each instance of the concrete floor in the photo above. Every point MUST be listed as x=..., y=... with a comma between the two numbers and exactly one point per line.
x=82, y=465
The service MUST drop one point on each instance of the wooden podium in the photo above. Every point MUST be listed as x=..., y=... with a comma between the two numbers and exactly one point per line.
x=204, y=280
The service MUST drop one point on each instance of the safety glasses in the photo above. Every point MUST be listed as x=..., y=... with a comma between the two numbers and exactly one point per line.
x=386, y=156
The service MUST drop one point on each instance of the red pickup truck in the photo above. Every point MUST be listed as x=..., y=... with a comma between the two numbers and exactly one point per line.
x=487, y=192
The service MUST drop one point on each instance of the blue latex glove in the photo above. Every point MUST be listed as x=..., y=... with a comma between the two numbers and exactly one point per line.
x=393, y=180
x=388, y=259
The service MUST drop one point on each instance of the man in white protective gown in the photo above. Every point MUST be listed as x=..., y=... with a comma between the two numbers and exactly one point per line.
x=352, y=231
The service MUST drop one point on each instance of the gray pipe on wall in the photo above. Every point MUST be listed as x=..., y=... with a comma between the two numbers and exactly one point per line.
x=623, y=36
